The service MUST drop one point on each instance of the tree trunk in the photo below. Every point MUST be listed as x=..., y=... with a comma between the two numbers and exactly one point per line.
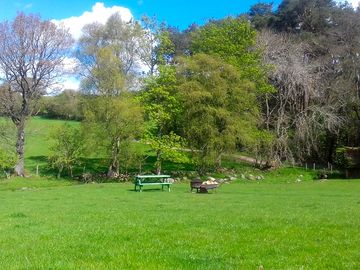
x=218, y=161
x=59, y=172
x=20, y=165
x=114, y=168
x=158, y=162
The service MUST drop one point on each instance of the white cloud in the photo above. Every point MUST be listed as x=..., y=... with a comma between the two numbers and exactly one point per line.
x=70, y=83
x=99, y=13
x=354, y=3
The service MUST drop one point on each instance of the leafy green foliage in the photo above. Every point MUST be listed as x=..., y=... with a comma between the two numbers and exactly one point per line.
x=219, y=106
x=308, y=15
x=159, y=101
x=110, y=124
x=347, y=157
x=7, y=160
x=8, y=157
x=162, y=110
x=233, y=40
x=106, y=75
x=168, y=148
x=66, y=105
x=157, y=47
x=66, y=148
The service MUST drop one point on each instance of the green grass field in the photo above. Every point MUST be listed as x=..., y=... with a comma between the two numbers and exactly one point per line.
x=45, y=224
x=277, y=223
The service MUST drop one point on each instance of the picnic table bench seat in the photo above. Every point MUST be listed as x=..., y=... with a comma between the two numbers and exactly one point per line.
x=151, y=180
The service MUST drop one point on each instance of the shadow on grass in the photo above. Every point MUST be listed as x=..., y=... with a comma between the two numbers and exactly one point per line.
x=149, y=190
x=98, y=166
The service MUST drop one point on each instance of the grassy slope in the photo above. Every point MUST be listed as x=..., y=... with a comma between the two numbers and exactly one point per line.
x=37, y=141
x=313, y=225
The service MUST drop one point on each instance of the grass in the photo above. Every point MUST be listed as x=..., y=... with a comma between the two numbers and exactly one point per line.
x=51, y=225
x=279, y=222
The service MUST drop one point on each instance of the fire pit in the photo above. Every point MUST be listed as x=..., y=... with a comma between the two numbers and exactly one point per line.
x=203, y=187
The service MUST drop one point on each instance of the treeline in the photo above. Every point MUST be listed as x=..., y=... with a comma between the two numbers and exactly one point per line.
x=313, y=47
x=282, y=85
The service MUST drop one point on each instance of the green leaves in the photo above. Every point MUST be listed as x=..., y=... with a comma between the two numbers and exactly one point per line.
x=219, y=106
x=66, y=148
x=233, y=40
x=168, y=147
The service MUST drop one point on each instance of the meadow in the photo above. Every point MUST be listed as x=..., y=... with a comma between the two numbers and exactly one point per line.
x=276, y=223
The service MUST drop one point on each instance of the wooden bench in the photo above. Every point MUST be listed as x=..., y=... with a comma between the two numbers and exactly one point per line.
x=150, y=180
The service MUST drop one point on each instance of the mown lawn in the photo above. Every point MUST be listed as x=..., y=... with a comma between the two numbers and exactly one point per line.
x=45, y=224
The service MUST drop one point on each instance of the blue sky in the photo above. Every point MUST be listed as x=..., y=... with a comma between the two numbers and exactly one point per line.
x=76, y=13
x=176, y=13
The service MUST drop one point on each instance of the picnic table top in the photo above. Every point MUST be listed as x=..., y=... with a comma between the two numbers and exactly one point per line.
x=153, y=176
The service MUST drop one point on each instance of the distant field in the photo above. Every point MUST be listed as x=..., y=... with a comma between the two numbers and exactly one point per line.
x=47, y=224
x=37, y=131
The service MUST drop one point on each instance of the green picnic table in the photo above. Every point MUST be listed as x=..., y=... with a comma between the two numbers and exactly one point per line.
x=150, y=180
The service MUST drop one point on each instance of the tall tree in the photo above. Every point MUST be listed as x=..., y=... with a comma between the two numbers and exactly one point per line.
x=32, y=53
x=162, y=110
x=112, y=117
x=304, y=15
x=261, y=15
x=220, y=109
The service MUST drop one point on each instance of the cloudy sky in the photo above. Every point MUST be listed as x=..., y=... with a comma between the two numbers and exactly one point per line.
x=76, y=13
x=178, y=13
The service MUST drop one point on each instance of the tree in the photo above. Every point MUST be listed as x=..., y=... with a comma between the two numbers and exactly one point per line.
x=160, y=104
x=304, y=15
x=182, y=39
x=66, y=149
x=157, y=48
x=110, y=55
x=220, y=109
x=66, y=105
x=32, y=53
x=167, y=147
x=162, y=110
x=112, y=117
x=234, y=40
x=125, y=41
x=110, y=124
x=315, y=60
x=261, y=15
